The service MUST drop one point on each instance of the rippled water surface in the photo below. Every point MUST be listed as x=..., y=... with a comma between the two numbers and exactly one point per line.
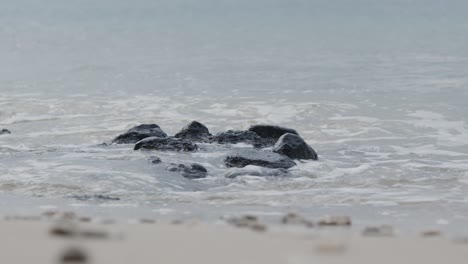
x=378, y=90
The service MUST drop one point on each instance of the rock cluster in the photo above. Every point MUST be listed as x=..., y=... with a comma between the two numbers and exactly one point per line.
x=286, y=146
x=194, y=171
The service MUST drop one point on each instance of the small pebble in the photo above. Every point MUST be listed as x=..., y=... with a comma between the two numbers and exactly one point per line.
x=335, y=221
x=258, y=227
x=74, y=255
x=94, y=234
x=247, y=221
x=243, y=221
x=384, y=230
x=63, y=230
x=295, y=219
x=431, y=233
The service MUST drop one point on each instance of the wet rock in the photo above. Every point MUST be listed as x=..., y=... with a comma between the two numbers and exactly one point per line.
x=271, y=131
x=337, y=220
x=138, y=133
x=255, y=171
x=94, y=197
x=63, y=229
x=247, y=221
x=258, y=158
x=295, y=219
x=239, y=136
x=294, y=147
x=154, y=160
x=4, y=131
x=195, y=131
x=169, y=144
x=195, y=171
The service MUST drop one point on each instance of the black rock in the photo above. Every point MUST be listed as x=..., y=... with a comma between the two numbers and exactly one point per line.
x=138, y=133
x=271, y=131
x=172, y=144
x=259, y=158
x=294, y=147
x=194, y=131
x=148, y=129
x=5, y=131
x=154, y=160
x=94, y=197
x=195, y=171
x=237, y=136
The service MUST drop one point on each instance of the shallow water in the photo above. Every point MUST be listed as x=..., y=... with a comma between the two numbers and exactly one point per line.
x=379, y=91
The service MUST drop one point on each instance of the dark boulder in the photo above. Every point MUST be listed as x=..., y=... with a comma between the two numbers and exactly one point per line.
x=266, y=159
x=271, y=131
x=154, y=160
x=194, y=171
x=194, y=131
x=148, y=129
x=138, y=133
x=237, y=136
x=171, y=144
x=294, y=147
x=4, y=131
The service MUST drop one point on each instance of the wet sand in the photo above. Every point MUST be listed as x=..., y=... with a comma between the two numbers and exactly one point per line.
x=35, y=240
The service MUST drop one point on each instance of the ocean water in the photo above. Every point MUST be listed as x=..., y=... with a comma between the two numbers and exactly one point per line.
x=377, y=88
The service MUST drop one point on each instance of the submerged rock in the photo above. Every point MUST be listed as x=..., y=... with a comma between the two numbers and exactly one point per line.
x=4, y=131
x=194, y=131
x=251, y=170
x=154, y=160
x=238, y=136
x=195, y=171
x=271, y=131
x=94, y=197
x=171, y=144
x=294, y=147
x=138, y=133
x=258, y=158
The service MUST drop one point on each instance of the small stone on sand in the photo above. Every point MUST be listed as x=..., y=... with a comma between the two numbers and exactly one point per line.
x=384, y=230
x=295, y=219
x=431, y=233
x=247, y=221
x=74, y=255
x=94, y=234
x=335, y=221
x=63, y=230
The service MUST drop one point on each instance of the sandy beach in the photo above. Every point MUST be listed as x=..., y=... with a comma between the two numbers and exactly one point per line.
x=38, y=240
